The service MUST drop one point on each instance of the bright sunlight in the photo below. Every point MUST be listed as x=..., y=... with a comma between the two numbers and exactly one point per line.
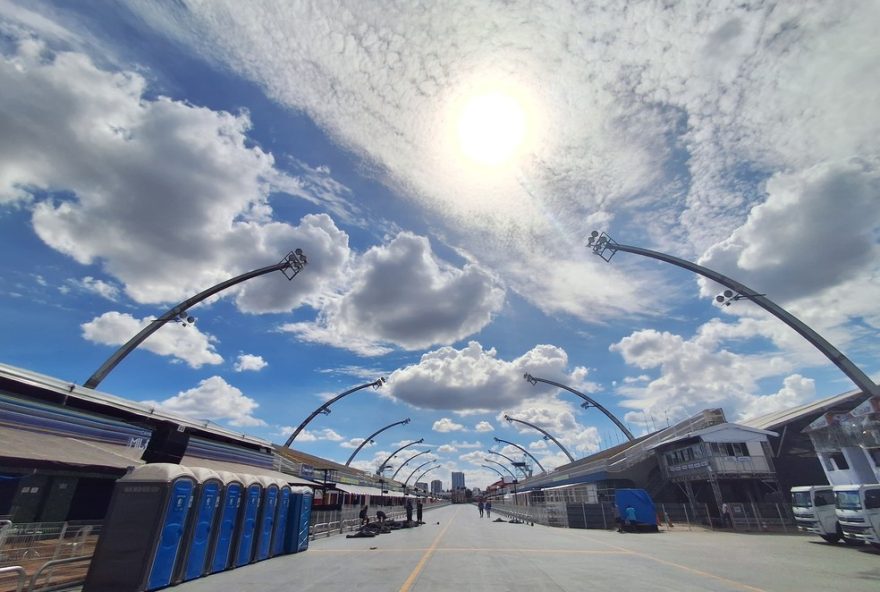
x=492, y=128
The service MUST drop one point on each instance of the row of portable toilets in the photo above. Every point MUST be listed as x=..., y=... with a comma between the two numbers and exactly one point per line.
x=169, y=524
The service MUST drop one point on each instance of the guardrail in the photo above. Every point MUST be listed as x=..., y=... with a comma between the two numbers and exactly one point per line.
x=14, y=569
x=330, y=522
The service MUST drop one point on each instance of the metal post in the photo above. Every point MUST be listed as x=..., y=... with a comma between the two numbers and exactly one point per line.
x=373, y=435
x=390, y=456
x=325, y=408
x=545, y=432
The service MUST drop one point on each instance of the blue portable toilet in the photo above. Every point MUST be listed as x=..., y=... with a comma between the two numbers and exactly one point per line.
x=201, y=524
x=220, y=551
x=281, y=518
x=247, y=521
x=142, y=535
x=266, y=518
x=296, y=537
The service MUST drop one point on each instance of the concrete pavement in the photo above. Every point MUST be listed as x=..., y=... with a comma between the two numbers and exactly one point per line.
x=465, y=552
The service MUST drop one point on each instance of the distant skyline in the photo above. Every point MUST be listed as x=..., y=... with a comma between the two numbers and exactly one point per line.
x=441, y=167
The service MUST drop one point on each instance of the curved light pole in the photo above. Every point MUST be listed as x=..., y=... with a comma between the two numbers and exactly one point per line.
x=502, y=465
x=532, y=456
x=546, y=435
x=513, y=463
x=419, y=478
x=427, y=462
x=407, y=461
x=605, y=247
x=325, y=408
x=500, y=474
x=393, y=454
x=373, y=435
x=588, y=402
x=293, y=263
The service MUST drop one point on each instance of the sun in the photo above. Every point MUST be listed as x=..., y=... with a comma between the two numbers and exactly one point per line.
x=492, y=128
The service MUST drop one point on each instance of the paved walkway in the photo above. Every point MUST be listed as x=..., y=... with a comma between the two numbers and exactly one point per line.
x=464, y=552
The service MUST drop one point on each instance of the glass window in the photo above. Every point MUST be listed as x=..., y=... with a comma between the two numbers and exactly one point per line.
x=872, y=499
x=823, y=498
x=874, y=453
x=840, y=460
x=801, y=499
x=847, y=500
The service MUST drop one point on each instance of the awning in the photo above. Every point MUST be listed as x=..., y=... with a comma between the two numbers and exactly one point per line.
x=44, y=447
x=221, y=465
x=361, y=490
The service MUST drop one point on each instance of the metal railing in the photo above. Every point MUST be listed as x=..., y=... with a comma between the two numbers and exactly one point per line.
x=329, y=522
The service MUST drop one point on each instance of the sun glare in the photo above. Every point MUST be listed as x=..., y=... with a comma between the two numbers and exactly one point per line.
x=492, y=128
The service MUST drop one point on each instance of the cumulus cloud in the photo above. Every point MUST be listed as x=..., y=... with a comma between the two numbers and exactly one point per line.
x=249, y=363
x=473, y=378
x=445, y=424
x=353, y=443
x=446, y=449
x=557, y=417
x=183, y=343
x=91, y=285
x=401, y=295
x=213, y=399
x=483, y=426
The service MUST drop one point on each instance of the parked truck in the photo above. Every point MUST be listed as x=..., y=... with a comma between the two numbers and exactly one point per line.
x=858, y=511
x=814, y=511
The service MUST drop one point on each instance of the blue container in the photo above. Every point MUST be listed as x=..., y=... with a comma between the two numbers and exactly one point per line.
x=202, y=523
x=247, y=521
x=227, y=522
x=266, y=518
x=281, y=518
x=143, y=532
x=296, y=537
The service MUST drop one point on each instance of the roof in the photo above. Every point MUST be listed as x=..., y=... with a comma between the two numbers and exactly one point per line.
x=222, y=465
x=711, y=430
x=359, y=489
x=842, y=402
x=65, y=450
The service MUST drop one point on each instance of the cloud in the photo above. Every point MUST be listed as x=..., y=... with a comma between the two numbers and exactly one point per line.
x=447, y=425
x=184, y=343
x=465, y=444
x=484, y=426
x=401, y=295
x=354, y=443
x=446, y=449
x=558, y=418
x=90, y=285
x=472, y=378
x=163, y=237
x=213, y=399
x=249, y=363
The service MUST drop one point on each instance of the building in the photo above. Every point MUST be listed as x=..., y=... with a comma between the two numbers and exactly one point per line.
x=848, y=444
x=422, y=486
x=457, y=480
x=436, y=486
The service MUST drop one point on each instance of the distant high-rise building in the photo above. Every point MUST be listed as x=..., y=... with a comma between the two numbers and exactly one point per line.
x=457, y=480
x=422, y=485
x=436, y=486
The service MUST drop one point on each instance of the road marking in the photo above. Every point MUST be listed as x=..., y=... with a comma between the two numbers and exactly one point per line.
x=474, y=550
x=430, y=551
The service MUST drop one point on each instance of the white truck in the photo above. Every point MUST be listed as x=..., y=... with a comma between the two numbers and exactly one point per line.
x=858, y=511
x=814, y=511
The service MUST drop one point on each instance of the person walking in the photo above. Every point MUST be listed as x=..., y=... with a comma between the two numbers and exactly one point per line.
x=480, y=507
x=419, y=511
x=488, y=509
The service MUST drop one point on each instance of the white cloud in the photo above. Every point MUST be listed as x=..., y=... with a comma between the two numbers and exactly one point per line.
x=445, y=424
x=465, y=444
x=484, y=426
x=249, y=362
x=354, y=443
x=213, y=399
x=446, y=449
x=401, y=295
x=91, y=285
x=184, y=343
x=473, y=378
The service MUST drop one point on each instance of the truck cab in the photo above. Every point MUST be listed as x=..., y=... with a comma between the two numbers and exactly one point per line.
x=858, y=511
x=814, y=511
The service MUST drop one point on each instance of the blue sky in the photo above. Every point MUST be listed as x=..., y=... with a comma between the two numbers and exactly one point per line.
x=441, y=166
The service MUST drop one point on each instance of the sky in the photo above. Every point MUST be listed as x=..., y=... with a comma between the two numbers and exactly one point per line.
x=441, y=165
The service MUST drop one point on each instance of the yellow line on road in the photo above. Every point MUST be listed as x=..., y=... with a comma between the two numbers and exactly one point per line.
x=430, y=551
x=473, y=550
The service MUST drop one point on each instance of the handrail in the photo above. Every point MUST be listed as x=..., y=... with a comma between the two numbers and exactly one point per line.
x=22, y=574
x=52, y=564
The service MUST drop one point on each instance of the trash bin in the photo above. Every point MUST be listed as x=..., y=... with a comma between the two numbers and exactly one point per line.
x=227, y=522
x=197, y=539
x=142, y=534
x=296, y=538
x=247, y=520
x=266, y=518
x=281, y=518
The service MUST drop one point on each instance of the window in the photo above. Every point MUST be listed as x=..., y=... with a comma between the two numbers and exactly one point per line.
x=848, y=500
x=874, y=453
x=839, y=461
x=800, y=499
x=823, y=498
x=872, y=499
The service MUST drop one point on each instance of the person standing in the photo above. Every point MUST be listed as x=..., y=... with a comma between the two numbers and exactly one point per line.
x=419, y=511
x=726, y=519
x=480, y=508
x=630, y=514
x=488, y=509
x=409, y=509
x=363, y=515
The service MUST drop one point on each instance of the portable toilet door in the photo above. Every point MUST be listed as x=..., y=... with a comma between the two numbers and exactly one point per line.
x=296, y=536
x=305, y=517
x=224, y=534
x=281, y=518
x=142, y=532
x=201, y=524
x=247, y=521
x=266, y=520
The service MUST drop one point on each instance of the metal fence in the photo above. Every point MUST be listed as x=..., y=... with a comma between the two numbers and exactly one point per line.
x=328, y=522
x=748, y=517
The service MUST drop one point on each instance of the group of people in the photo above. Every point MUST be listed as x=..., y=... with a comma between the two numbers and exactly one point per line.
x=381, y=516
x=485, y=507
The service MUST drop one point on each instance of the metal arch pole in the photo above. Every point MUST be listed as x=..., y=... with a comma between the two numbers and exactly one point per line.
x=530, y=455
x=371, y=436
x=405, y=483
x=419, y=478
x=861, y=380
x=500, y=474
x=546, y=433
x=511, y=461
x=589, y=402
x=404, y=463
x=503, y=466
x=326, y=406
x=393, y=454
x=95, y=379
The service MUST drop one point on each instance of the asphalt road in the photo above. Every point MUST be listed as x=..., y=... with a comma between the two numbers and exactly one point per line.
x=457, y=550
